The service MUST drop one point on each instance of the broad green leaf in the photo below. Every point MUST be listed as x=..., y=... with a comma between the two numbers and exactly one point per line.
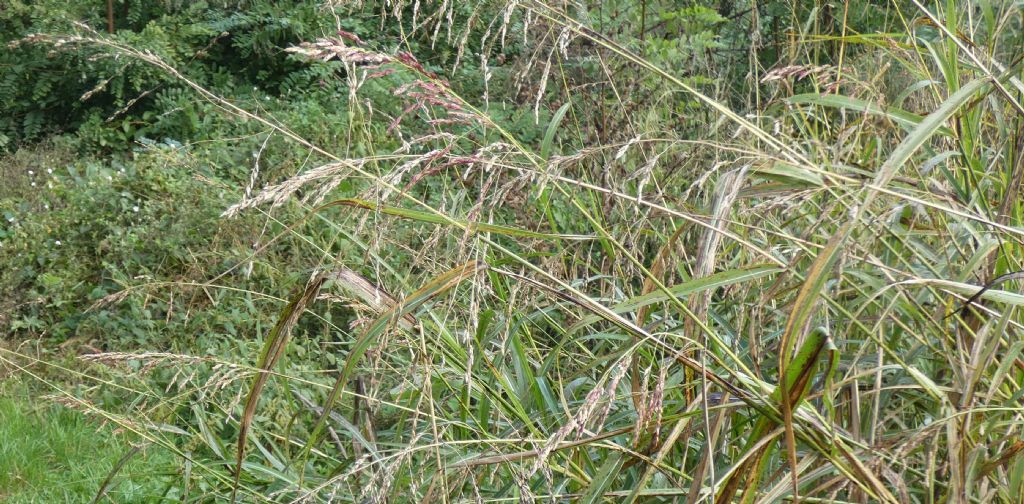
x=791, y=390
x=803, y=307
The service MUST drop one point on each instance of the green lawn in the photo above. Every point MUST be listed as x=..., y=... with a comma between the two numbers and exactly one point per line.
x=49, y=453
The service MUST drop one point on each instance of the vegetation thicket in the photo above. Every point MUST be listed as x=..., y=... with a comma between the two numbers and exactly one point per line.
x=682, y=251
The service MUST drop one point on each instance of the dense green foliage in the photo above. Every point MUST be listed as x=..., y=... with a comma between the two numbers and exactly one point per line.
x=660, y=251
x=112, y=102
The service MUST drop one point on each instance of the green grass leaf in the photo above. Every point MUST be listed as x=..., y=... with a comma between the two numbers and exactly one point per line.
x=710, y=282
x=476, y=227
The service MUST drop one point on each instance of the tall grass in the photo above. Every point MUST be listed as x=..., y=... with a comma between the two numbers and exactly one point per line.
x=774, y=310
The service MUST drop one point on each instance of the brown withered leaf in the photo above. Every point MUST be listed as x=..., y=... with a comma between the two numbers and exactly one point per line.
x=369, y=293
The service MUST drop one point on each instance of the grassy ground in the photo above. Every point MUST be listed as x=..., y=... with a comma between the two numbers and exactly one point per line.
x=49, y=453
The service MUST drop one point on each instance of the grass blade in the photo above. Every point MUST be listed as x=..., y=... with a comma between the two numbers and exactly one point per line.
x=549, y=135
x=273, y=349
x=720, y=279
x=907, y=120
x=478, y=227
x=603, y=479
x=791, y=390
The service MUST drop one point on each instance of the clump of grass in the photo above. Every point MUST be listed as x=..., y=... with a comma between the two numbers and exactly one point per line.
x=562, y=324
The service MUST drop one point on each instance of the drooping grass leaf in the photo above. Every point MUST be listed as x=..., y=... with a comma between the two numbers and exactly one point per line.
x=273, y=349
x=710, y=282
x=783, y=172
x=907, y=120
x=431, y=218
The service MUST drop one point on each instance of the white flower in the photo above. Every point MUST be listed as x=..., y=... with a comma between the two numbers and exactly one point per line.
x=46, y=206
x=109, y=177
x=49, y=170
x=135, y=208
x=30, y=172
x=56, y=242
x=33, y=184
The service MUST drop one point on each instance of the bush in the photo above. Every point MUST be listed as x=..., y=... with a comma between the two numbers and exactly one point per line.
x=80, y=232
